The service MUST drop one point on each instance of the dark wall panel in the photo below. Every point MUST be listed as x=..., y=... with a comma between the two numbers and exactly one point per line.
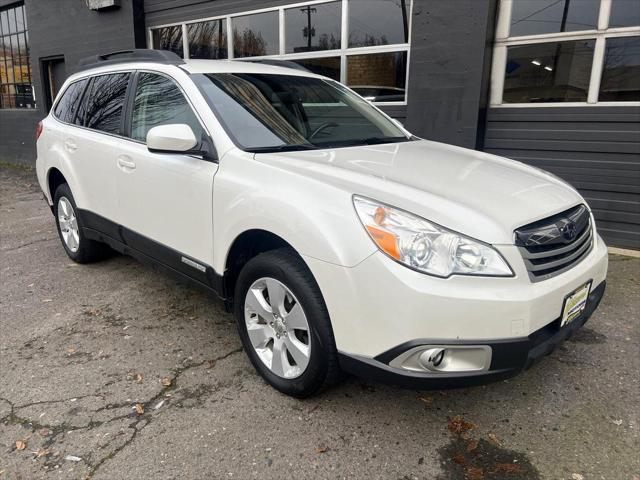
x=160, y=12
x=447, y=68
x=596, y=149
x=68, y=28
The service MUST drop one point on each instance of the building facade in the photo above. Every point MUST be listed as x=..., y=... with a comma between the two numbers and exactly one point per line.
x=552, y=83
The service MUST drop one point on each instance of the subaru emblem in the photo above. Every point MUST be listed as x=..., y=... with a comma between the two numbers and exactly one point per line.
x=569, y=230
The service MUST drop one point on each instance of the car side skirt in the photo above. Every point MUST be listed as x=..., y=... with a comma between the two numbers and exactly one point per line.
x=145, y=250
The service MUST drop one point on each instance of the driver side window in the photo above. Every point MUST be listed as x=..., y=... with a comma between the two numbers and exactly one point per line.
x=159, y=101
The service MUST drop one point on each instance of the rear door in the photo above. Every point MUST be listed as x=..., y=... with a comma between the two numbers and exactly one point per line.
x=89, y=140
x=165, y=199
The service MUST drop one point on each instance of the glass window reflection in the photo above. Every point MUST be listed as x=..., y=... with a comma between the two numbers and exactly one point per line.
x=256, y=35
x=208, y=39
x=621, y=71
x=313, y=27
x=378, y=22
x=535, y=17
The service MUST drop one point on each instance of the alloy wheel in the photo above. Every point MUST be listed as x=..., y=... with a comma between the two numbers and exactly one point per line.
x=277, y=327
x=68, y=224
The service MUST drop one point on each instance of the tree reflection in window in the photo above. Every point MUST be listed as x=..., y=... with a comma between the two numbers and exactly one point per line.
x=159, y=101
x=168, y=38
x=208, y=39
x=105, y=103
x=256, y=35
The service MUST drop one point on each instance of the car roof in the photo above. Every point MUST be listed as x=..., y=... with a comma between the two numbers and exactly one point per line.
x=240, y=66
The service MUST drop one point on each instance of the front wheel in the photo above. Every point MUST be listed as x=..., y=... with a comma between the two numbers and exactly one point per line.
x=284, y=324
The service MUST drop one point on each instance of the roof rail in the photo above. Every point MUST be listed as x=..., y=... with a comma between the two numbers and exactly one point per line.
x=128, y=56
x=280, y=63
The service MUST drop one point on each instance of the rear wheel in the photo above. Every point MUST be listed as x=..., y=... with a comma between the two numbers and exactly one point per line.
x=284, y=324
x=78, y=248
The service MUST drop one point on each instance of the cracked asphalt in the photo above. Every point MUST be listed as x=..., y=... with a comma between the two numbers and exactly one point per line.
x=82, y=346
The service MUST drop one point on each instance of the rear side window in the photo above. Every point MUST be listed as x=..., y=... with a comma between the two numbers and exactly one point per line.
x=67, y=107
x=105, y=104
x=159, y=101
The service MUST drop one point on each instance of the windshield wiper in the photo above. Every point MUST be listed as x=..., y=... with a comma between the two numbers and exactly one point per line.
x=379, y=140
x=282, y=148
x=365, y=141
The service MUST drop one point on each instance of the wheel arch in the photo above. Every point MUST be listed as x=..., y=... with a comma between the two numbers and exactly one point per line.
x=55, y=178
x=245, y=246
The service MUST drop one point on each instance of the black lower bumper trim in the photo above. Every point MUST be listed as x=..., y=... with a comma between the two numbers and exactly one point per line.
x=509, y=357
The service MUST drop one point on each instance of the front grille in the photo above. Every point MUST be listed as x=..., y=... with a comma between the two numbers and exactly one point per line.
x=555, y=244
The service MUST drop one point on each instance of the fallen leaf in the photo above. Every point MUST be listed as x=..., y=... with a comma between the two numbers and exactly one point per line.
x=459, y=459
x=42, y=452
x=139, y=408
x=322, y=449
x=494, y=439
x=21, y=445
x=459, y=425
x=472, y=445
x=576, y=476
x=44, y=432
x=138, y=377
x=71, y=350
x=166, y=382
x=211, y=363
x=475, y=473
x=428, y=401
x=510, y=468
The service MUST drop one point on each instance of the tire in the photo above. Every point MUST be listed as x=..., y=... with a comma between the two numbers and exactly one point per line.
x=79, y=248
x=284, y=267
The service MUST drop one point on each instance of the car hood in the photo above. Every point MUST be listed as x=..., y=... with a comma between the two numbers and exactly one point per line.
x=480, y=195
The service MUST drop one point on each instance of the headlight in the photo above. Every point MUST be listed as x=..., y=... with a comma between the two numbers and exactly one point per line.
x=425, y=246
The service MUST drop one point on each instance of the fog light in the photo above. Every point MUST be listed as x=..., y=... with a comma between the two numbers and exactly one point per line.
x=432, y=359
x=445, y=358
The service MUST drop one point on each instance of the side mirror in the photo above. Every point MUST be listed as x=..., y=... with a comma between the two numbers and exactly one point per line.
x=176, y=138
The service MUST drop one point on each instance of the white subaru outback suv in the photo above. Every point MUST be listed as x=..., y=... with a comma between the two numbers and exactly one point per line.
x=341, y=242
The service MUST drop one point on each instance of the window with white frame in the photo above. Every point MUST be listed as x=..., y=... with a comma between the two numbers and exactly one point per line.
x=362, y=43
x=569, y=52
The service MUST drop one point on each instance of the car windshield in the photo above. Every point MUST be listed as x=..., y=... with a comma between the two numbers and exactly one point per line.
x=267, y=112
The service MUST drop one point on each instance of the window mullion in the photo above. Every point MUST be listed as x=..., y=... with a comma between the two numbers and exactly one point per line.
x=185, y=42
x=504, y=19
x=344, y=41
x=498, y=67
x=605, y=13
x=230, y=55
x=596, y=69
x=281, y=27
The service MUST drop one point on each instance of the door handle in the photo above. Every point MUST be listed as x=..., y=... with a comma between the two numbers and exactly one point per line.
x=125, y=164
x=70, y=145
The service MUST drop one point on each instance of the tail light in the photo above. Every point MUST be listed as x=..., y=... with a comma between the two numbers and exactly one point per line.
x=39, y=129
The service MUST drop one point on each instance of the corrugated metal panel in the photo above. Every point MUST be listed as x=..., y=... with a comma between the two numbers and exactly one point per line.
x=161, y=12
x=596, y=149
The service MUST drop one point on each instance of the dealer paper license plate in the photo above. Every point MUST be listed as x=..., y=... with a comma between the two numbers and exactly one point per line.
x=575, y=303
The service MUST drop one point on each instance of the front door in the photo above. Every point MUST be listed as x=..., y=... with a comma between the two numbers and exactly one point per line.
x=165, y=199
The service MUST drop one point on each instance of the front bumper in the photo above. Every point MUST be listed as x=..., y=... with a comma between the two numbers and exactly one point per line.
x=379, y=304
x=509, y=357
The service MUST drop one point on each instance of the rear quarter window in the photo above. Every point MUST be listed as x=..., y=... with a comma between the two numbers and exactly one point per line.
x=67, y=108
